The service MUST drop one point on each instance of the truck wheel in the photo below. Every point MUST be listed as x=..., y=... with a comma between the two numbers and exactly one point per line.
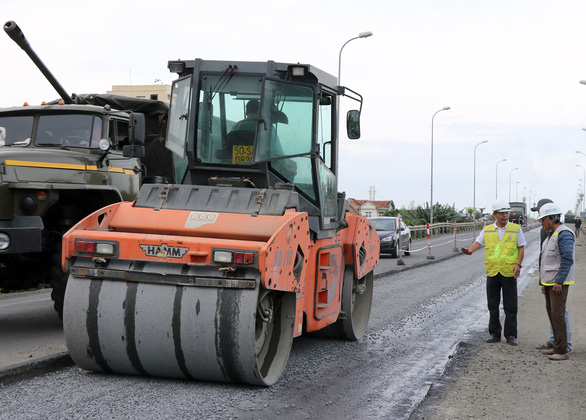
x=58, y=281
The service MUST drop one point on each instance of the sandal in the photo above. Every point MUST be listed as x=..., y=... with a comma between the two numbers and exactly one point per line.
x=548, y=345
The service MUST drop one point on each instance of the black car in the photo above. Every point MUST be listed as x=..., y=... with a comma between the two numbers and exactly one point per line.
x=386, y=227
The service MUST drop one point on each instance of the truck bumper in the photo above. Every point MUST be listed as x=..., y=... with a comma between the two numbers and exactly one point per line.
x=24, y=234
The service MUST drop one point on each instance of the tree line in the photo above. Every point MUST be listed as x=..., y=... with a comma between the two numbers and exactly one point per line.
x=442, y=213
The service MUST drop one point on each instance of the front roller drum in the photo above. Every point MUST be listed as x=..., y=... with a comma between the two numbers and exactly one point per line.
x=203, y=333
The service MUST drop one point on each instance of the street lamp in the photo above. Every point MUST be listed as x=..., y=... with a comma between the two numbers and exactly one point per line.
x=497, y=178
x=445, y=108
x=360, y=35
x=474, y=188
x=510, y=183
x=583, y=186
x=579, y=199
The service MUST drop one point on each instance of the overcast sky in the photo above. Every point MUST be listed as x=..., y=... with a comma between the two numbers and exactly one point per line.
x=509, y=70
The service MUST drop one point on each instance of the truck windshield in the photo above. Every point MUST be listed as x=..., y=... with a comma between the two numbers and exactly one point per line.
x=16, y=131
x=75, y=130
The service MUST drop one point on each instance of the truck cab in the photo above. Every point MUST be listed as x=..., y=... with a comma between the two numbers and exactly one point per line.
x=58, y=163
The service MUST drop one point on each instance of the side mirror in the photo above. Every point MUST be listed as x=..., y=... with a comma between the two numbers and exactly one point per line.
x=136, y=128
x=353, y=124
x=133, y=151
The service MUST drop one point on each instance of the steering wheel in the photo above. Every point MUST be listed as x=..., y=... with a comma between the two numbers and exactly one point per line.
x=73, y=141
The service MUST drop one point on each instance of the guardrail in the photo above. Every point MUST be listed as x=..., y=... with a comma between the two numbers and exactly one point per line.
x=437, y=229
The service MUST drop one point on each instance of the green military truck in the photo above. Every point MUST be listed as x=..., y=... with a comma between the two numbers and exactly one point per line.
x=518, y=213
x=62, y=161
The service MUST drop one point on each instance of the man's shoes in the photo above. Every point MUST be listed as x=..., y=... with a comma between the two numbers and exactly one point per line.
x=512, y=341
x=548, y=345
x=556, y=356
x=494, y=339
x=548, y=352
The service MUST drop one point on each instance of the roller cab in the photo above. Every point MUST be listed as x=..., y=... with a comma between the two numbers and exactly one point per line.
x=212, y=278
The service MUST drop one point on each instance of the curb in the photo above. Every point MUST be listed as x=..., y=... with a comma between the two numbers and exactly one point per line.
x=34, y=368
x=399, y=269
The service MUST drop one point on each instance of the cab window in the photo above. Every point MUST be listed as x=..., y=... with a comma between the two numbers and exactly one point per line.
x=16, y=131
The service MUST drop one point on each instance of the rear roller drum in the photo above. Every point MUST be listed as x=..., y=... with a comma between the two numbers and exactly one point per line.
x=356, y=304
x=203, y=333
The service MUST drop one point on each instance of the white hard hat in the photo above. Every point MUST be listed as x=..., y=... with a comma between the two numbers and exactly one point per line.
x=549, y=209
x=500, y=206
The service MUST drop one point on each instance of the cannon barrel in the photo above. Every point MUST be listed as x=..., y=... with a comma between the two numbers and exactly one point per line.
x=14, y=32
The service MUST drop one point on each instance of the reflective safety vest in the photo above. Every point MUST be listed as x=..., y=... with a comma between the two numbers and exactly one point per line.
x=551, y=259
x=501, y=256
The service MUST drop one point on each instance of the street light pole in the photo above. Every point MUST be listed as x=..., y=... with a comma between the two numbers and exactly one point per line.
x=583, y=186
x=445, y=108
x=517, y=191
x=474, y=189
x=510, y=183
x=360, y=35
x=497, y=178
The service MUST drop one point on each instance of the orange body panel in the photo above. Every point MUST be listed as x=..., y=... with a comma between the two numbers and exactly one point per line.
x=288, y=259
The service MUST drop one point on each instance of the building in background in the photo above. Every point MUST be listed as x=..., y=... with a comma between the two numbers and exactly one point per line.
x=160, y=92
x=371, y=208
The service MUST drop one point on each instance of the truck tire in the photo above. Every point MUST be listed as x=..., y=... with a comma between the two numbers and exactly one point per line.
x=57, y=280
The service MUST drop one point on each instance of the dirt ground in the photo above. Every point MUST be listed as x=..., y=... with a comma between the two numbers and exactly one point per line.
x=501, y=381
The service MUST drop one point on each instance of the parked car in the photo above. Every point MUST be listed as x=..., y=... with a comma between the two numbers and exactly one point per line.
x=386, y=227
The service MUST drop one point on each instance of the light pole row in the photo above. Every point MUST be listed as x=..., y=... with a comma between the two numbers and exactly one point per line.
x=474, y=189
x=510, y=173
x=497, y=178
x=445, y=108
x=360, y=35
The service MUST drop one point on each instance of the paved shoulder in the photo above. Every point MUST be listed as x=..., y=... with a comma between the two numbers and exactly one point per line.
x=501, y=381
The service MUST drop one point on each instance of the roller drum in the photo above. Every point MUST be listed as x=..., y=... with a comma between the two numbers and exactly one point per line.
x=203, y=333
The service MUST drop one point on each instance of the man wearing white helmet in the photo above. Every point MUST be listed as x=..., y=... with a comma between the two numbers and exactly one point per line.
x=556, y=273
x=504, y=244
x=543, y=234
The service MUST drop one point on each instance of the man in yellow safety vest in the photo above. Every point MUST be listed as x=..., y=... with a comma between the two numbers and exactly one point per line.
x=504, y=244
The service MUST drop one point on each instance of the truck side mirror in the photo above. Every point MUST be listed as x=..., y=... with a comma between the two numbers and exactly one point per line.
x=132, y=151
x=136, y=128
x=353, y=124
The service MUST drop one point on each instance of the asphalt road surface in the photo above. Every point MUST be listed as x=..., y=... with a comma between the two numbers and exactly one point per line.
x=420, y=318
x=30, y=328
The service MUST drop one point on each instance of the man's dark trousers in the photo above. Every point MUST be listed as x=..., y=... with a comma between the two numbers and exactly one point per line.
x=508, y=285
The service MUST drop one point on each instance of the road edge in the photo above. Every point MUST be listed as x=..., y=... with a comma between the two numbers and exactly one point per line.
x=34, y=368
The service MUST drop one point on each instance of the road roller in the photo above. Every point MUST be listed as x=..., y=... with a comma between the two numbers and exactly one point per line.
x=212, y=278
